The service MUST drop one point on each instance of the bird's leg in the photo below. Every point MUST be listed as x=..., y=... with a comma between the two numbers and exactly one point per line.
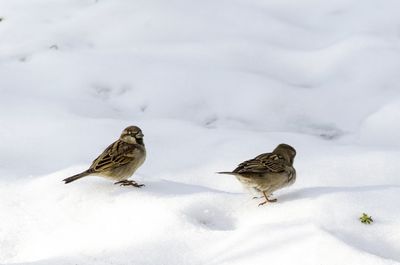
x=267, y=200
x=129, y=183
x=256, y=197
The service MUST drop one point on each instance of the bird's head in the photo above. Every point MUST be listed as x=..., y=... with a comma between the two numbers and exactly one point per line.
x=132, y=135
x=286, y=151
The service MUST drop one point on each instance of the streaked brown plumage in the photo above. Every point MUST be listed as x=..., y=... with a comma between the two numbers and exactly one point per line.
x=268, y=172
x=120, y=160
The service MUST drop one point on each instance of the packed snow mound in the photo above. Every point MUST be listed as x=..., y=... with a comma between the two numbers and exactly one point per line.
x=382, y=126
x=211, y=84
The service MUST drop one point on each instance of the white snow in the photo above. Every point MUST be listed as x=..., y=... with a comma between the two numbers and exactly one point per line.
x=211, y=83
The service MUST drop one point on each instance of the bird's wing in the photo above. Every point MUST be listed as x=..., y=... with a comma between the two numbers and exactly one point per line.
x=264, y=163
x=117, y=154
x=269, y=156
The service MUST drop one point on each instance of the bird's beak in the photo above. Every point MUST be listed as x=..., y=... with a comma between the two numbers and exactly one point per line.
x=140, y=135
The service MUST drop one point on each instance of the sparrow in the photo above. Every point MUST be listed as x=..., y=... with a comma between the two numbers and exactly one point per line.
x=268, y=172
x=120, y=160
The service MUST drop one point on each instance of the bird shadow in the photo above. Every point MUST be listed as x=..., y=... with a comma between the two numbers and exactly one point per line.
x=319, y=191
x=170, y=188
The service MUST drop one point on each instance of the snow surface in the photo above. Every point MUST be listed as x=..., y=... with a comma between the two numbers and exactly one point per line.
x=211, y=83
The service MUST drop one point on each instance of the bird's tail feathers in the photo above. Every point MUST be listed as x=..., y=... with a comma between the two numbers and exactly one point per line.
x=228, y=173
x=77, y=176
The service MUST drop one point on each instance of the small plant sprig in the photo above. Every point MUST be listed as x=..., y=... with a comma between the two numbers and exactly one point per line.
x=366, y=219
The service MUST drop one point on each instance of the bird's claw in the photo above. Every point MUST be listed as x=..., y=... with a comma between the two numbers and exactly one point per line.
x=129, y=183
x=262, y=203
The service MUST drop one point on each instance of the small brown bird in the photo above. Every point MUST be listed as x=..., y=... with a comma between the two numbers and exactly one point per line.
x=268, y=172
x=120, y=160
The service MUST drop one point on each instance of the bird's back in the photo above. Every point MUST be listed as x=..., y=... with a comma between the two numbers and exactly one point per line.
x=119, y=160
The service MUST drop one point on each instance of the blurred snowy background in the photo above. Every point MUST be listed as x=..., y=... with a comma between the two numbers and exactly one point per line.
x=211, y=83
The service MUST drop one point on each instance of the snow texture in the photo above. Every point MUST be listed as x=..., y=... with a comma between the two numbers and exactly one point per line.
x=211, y=83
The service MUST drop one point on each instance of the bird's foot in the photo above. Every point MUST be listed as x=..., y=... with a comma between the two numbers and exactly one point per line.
x=256, y=197
x=129, y=183
x=267, y=200
x=262, y=203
